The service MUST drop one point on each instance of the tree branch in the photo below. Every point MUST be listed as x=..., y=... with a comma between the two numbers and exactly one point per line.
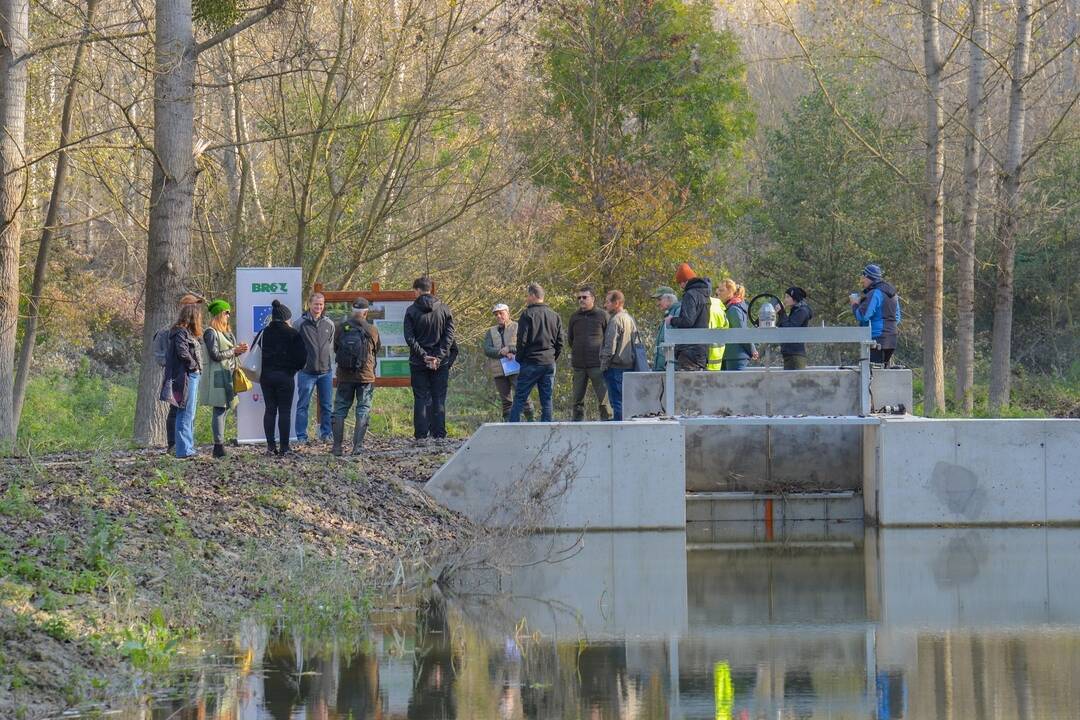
x=239, y=27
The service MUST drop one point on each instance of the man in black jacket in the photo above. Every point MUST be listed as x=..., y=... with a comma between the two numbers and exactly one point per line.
x=539, y=344
x=429, y=333
x=694, y=314
x=585, y=332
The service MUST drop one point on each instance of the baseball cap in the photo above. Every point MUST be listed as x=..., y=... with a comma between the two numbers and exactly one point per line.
x=360, y=304
x=662, y=290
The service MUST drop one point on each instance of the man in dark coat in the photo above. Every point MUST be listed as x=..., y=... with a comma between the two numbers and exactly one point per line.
x=429, y=333
x=693, y=313
x=539, y=344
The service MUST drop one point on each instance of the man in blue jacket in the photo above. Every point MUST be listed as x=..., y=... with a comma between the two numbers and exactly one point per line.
x=879, y=307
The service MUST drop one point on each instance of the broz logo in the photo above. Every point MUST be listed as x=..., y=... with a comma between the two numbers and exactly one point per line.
x=274, y=288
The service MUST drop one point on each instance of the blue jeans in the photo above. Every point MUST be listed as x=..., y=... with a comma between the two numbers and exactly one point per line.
x=739, y=364
x=185, y=419
x=305, y=383
x=613, y=378
x=542, y=377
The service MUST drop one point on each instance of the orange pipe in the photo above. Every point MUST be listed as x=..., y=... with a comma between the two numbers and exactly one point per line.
x=769, y=519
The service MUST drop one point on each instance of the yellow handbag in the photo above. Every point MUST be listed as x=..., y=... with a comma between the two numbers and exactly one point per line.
x=241, y=383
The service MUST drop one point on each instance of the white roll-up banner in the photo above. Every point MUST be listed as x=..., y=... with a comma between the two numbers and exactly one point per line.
x=256, y=289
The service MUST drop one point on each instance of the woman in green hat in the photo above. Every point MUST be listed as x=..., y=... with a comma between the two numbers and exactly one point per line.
x=222, y=350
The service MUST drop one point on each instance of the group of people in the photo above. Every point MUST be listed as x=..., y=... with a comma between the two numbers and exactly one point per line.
x=605, y=343
x=201, y=366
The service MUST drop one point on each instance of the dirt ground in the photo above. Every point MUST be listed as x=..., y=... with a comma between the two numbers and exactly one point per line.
x=106, y=559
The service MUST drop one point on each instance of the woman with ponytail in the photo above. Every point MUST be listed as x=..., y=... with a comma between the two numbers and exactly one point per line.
x=733, y=295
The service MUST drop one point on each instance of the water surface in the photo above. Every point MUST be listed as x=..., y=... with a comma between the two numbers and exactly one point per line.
x=827, y=622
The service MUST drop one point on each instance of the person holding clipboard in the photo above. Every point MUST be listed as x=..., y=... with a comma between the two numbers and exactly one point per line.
x=500, y=348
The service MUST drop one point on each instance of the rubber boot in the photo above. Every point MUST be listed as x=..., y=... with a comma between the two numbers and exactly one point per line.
x=358, y=436
x=337, y=427
x=219, y=450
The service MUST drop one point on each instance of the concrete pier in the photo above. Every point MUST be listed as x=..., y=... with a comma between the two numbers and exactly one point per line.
x=922, y=471
x=568, y=476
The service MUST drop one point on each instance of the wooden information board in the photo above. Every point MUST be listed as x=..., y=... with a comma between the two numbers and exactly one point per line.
x=387, y=313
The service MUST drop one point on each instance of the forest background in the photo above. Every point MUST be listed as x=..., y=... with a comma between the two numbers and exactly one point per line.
x=152, y=147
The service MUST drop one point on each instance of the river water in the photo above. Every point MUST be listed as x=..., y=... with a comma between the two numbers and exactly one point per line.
x=825, y=621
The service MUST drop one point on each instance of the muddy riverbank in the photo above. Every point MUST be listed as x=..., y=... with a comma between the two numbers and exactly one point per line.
x=109, y=561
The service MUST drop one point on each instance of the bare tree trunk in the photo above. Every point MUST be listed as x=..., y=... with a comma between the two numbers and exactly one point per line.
x=14, y=31
x=41, y=266
x=933, y=340
x=965, y=315
x=1001, y=347
x=171, y=199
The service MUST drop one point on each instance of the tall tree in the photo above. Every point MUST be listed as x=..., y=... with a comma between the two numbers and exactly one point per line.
x=644, y=102
x=52, y=215
x=172, y=193
x=934, y=223
x=14, y=33
x=1009, y=212
x=976, y=111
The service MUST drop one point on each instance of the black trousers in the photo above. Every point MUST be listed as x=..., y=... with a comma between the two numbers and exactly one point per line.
x=882, y=356
x=277, y=388
x=429, y=401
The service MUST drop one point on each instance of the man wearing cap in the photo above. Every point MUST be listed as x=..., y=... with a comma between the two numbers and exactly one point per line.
x=879, y=308
x=356, y=344
x=669, y=305
x=796, y=312
x=585, y=333
x=500, y=343
x=317, y=330
x=694, y=314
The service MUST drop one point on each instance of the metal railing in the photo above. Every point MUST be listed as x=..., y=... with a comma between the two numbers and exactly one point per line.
x=764, y=336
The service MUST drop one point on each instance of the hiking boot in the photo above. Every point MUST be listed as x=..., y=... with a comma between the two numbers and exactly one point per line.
x=358, y=436
x=338, y=427
x=219, y=450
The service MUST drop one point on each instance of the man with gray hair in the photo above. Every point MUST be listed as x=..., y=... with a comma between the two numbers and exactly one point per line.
x=539, y=344
x=669, y=305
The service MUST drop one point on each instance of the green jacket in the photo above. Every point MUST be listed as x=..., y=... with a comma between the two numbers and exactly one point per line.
x=659, y=362
x=219, y=361
x=717, y=320
x=494, y=341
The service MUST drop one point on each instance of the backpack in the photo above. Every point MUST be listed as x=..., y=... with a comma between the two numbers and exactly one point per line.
x=354, y=348
x=160, y=344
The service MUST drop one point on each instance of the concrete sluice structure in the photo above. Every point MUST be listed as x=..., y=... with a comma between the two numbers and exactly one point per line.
x=825, y=443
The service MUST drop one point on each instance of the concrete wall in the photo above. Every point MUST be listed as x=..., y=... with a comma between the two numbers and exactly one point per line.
x=592, y=585
x=763, y=459
x=596, y=476
x=973, y=472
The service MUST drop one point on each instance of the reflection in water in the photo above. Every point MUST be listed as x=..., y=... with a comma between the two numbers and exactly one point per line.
x=906, y=624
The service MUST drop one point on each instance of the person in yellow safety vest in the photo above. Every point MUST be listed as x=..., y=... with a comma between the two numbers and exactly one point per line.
x=717, y=319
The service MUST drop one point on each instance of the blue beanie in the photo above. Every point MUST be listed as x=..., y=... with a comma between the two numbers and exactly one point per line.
x=872, y=271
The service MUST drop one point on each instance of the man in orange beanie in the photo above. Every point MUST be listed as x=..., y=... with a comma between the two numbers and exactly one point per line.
x=697, y=294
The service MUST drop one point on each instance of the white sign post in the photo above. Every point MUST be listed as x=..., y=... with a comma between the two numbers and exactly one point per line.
x=256, y=289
